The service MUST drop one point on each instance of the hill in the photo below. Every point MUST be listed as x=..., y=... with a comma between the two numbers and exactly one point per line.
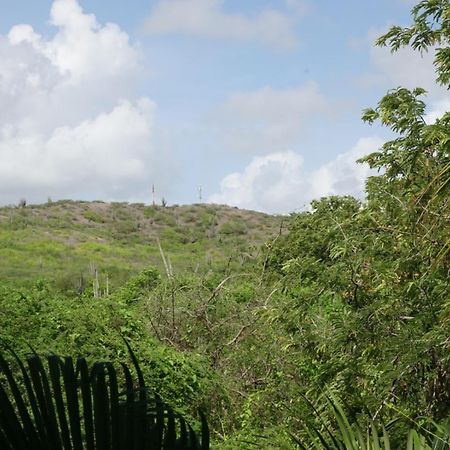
x=70, y=242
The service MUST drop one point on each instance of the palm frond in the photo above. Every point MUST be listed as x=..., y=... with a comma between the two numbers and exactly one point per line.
x=56, y=403
x=349, y=435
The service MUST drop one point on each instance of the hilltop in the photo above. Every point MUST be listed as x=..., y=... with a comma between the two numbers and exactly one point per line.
x=69, y=241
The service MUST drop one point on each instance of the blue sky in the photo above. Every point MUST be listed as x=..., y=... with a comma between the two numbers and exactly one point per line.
x=259, y=102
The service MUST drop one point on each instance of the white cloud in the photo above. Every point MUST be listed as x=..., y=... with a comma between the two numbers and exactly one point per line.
x=437, y=109
x=406, y=67
x=66, y=128
x=208, y=18
x=278, y=182
x=268, y=119
x=99, y=157
x=84, y=49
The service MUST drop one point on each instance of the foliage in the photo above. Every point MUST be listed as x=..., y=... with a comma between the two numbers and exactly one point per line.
x=56, y=323
x=348, y=434
x=366, y=285
x=66, y=404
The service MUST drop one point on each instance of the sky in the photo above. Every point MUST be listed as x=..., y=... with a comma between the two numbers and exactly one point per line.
x=250, y=103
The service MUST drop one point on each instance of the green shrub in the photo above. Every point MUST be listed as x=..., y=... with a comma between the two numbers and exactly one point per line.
x=233, y=227
x=93, y=216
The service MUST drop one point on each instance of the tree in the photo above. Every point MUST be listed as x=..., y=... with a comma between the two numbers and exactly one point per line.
x=411, y=199
x=369, y=311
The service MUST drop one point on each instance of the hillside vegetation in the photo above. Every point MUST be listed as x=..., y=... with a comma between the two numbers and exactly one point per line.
x=68, y=241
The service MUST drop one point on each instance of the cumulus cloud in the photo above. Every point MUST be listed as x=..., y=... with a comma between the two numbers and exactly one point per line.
x=69, y=122
x=268, y=118
x=83, y=48
x=102, y=157
x=279, y=183
x=208, y=18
